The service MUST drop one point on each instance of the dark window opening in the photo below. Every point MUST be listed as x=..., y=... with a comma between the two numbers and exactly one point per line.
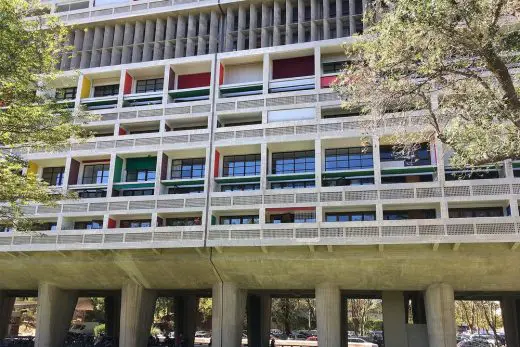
x=92, y=193
x=350, y=216
x=140, y=175
x=183, y=222
x=94, y=224
x=293, y=185
x=186, y=190
x=139, y=223
x=409, y=214
x=136, y=192
x=342, y=182
x=353, y=158
x=239, y=187
x=293, y=162
x=476, y=212
x=242, y=165
x=151, y=85
x=53, y=175
x=96, y=174
x=66, y=93
x=188, y=168
x=108, y=90
x=230, y=220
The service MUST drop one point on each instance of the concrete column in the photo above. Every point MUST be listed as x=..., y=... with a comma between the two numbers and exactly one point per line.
x=328, y=315
x=241, y=26
x=288, y=22
x=229, y=304
x=55, y=309
x=112, y=315
x=66, y=55
x=169, y=45
x=108, y=43
x=510, y=315
x=203, y=31
x=277, y=22
x=95, y=59
x=158, y=49
x=339, y=23
x=352, y=16
x=117, y=47
x=326, y=15
x=253, y=24
x=137, y=51
x=376, y=157
x=180, y=37
x=230, y=22
x=6, y=309
x=264, y=166
x=87, y=47
x=137, y=308
x=78, y=46
x=264, y=35
x=149, y=35
x=128, y=42
x=192, y=31
x=319, y=159
x=394, y=319
x=185, y=314
x=314, y=16
x=301, y=19
x=440, y=315
x=213, y=32
x=258, y=320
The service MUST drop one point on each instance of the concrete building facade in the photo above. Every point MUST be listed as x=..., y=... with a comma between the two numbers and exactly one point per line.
x=222, y=163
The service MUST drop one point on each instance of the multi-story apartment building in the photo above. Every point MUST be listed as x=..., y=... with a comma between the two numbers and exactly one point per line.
x=224, y=166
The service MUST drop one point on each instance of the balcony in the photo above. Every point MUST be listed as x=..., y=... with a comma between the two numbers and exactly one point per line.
x=241, y=89
x=189, y=94
x=142, y=99
x=100, y=103
x=291, y=84
x=143, y=238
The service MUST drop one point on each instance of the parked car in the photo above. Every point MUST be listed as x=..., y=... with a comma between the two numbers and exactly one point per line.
x=473, y=343
x=358, y=342
x=490, y=339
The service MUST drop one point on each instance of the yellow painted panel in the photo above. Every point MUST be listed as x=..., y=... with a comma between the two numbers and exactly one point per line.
x=33, y=168
x=85, y=88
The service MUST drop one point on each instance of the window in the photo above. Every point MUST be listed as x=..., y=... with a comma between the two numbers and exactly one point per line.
x=476, y=212
x=141, y=223
x=409, y=214
x=137, y=192
x=186, y=221
x=231, y=220
x=476, y=175
x=406, y=179
x=293, y=162
x=188, y=168
x=109, y=90
x=353, y=158
x=293, y=185
x=92, y=193
x=96, y=174
x=66, y=93
x=293, y=217
x=151, y=85
x=242, y=165
x=333, y=67
x=53, y=175
x=239, y=187
x=45, y=226
x=350, y=216
x=186, y=190
x=342, y=182
x=420, y=157
x=140, y=175
x=94, y=224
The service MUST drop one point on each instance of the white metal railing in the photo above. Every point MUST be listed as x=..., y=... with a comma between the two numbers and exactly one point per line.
x=160, y=237
x=471, y=230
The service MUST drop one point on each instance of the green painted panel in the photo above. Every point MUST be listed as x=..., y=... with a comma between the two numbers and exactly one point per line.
x=213, y=220
x=188, y=93
x=408, y=170
x=147, y=163
x=118, y=186
x=274, y=178
x=249, y=88
x=341, y=174
x=118, y=170
x=237, y=179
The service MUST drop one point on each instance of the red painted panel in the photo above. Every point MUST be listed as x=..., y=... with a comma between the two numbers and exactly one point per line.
x=194, y=80
x=96, y=161
x=164, y=167
x=221, y=77
x=112, y=224
x=122, y=131
x=128, y=84
x=326, y=81
x=74, y=172
x=217, y=164
x=159, y=222
x=293, y=67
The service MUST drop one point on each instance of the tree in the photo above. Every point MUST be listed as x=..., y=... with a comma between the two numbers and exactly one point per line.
x=361, y=312
x=32, y=43
x=450, y=59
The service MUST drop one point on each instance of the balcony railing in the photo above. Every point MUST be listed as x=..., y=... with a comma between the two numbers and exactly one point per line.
x=291, y=84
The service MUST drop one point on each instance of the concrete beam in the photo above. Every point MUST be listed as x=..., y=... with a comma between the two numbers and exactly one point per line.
x=440, y=315
x=55, y=309
x=137, y=308
x=328, y=314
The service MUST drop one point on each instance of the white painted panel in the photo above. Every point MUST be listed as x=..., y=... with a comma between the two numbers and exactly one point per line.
x=291, y=115
x=109, y=2
x=251, y=72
